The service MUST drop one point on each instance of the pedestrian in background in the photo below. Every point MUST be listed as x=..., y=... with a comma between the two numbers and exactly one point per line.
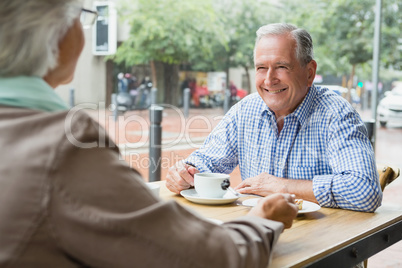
x=121, y=83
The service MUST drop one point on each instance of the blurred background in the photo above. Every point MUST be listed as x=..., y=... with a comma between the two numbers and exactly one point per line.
x=208, y=47
x=165, y=46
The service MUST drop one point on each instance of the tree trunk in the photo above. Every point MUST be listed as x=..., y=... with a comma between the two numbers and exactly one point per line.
x=248, y=79
x=227, y=71
x=172, y=94
x=154, y=74
x=160, y=81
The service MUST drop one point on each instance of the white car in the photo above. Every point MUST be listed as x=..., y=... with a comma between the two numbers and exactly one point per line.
x=337, y=89
x=390, y=107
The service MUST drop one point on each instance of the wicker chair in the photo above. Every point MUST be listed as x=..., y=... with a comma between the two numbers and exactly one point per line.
x=387, y=175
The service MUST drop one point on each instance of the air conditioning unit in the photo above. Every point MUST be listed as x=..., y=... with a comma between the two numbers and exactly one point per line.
x=104, y=41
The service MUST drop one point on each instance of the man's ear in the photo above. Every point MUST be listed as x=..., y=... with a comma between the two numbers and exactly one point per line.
x=311, y=69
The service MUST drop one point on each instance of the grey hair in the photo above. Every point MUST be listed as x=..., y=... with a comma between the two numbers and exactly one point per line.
x=304, y=42
x=30, y=31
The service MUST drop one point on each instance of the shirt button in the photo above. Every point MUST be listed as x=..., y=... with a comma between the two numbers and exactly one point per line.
x=281, y=164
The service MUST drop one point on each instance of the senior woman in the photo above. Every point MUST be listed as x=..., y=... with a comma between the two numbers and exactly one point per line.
x=66, y=206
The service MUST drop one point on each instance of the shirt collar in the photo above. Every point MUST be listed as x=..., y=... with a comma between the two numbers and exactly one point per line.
x=30, y=92
x=301, y=112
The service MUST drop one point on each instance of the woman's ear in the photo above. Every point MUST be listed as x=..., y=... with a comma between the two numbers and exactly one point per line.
x=70, y=48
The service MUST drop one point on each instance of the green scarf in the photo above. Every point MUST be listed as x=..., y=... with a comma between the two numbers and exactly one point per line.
x=30, y=92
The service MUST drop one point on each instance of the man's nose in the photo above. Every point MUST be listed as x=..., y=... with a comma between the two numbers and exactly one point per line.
x=271, y=78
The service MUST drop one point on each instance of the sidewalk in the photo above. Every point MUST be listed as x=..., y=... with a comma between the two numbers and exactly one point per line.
x=181, y=136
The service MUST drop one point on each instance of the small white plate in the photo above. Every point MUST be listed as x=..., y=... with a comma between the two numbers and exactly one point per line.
x=307, y=206
x=192, y=195
x=216, y=221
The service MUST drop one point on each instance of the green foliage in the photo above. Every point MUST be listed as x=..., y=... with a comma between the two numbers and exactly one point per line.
x=241, y=19
x=351, y=26
x=213, y=36
x=343, y=32
x=391, y=38
x=168, y=31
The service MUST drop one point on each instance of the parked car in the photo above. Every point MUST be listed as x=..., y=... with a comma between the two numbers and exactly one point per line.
x=337, y=89
x=390, y=107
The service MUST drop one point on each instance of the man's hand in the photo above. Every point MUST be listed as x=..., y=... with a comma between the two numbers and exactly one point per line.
x=180, y=177
x=277, y=207
x=263, y=184
x=267, y=184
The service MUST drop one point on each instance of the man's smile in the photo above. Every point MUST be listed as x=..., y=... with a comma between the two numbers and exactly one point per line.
x=275, y=91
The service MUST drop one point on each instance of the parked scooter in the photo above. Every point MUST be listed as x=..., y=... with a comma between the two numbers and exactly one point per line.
x=130, y=99
x=216, y=100
x=137, y=98
x=124, y=102
x=204, y=101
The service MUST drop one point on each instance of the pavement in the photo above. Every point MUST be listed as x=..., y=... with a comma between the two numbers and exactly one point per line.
x=182, y=135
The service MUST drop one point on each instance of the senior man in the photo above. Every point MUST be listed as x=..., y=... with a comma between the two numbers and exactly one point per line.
x=291, y=137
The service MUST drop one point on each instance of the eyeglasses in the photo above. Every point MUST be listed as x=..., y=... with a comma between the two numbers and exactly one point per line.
x=88, y=18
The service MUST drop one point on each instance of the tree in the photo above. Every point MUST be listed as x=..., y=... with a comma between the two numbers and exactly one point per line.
x=243, y=22
x=215, y=37
x=391, y=41
x=166, y=33
x=240, y=22
x=343, y=32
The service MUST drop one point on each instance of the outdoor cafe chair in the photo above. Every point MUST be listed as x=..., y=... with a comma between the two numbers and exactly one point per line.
x=387, y=175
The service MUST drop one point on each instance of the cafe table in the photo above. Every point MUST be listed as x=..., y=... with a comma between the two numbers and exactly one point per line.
x=325, y=238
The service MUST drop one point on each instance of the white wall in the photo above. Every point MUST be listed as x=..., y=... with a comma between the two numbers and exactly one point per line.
x=90, y=75
x=236, y=75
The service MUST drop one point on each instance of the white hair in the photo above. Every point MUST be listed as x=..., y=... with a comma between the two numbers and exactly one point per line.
x=30, y=31
x=304, y=42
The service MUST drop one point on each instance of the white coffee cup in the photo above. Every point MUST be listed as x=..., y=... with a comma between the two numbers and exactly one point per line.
x=154, y=187
x=209, y=185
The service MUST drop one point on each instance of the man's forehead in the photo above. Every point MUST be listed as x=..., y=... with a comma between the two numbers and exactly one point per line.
x=277, y=39
x=273, y=46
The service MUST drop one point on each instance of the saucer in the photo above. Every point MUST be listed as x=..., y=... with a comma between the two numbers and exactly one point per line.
x=192, y=195
x=216, y=221
x=307, y=206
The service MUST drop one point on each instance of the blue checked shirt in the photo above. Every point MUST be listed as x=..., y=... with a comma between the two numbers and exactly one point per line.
x=323, y=140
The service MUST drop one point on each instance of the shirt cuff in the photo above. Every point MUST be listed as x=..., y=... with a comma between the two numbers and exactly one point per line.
x=322, y=186
x=197, y=163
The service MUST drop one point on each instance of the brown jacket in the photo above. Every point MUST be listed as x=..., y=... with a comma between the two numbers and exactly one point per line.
x=68, y=200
